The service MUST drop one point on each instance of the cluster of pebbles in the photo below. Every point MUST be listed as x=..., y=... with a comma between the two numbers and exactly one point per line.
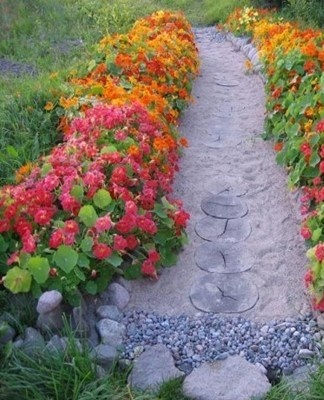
x=279, y=345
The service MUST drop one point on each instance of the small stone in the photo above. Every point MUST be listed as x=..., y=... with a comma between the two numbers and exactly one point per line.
x=110, y=312
x=7, y=333
x=105, y=355
x=118, y=295
x=55, y=345
x=111, y=332
x=33, y=341
x=262, y=368
x=320, y=321
x=48, y=301
x=51, y=321
x=80, y=325
x=138, y=350
x=305, y=354
x=264, y=329
x=152, y=368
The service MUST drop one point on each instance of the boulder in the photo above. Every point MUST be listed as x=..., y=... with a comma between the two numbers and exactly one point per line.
x=233, y=378
x=152, y=368
x=111, y=332
x=49, y=301
x=118, y=295
x=111, y=312
x=105, y=355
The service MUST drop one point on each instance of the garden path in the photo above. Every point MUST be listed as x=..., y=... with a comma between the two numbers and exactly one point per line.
x=245, y=255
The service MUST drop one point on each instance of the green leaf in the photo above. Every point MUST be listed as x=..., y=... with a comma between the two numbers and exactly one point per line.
x=66, y=258
x=77, y=192
x=168, y=257
x=12, y=152
x=316, y=234
x=46, y=168
x=161, y=238
x=102, y=198
x=108, y=149
x=18, y=280
x=91, y=287
x=79, y=274
x=86, y=244
x=39, y=268
x=115, y=259
x=314, y=159
x=3, y=244
x=133, y=272
x=92, y=64
x=159, y=211
x=88, y=215
x=83, y=261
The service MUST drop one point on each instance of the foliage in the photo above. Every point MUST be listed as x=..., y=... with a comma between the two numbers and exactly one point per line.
x=293, y=60
x=97, y=204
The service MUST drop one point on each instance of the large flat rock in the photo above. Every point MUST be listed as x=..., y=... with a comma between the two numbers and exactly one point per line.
x=230, y=379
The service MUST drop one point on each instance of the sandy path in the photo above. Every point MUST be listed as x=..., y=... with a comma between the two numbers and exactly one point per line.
x=223, y=127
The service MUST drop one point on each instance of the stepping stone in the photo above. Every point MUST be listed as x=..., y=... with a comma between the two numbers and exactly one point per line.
x=236, y=188
x=212, y=257
x=224, y=293
x=226, y=83
x=227, y=231
x=224, y=206
x=218, y=143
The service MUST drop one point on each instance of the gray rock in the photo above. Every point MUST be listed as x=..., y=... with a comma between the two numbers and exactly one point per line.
x=80, y=325
x=48, y=301
x=298, y=381
x=56, y=345
x=105, y=355
x=230, y=379
x=118, y=295
x=255, y=59
x=111, y=332
x=224, y=293
x=320, y=321
x=152, y=368
x=7, y=333
x=252, y=53
x=51, y=321
x=305, y=353
x=33, y=341
x=111, y=312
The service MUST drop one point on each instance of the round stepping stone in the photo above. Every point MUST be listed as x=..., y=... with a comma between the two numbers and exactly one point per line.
x=236, y=188
x=224, y=206
x=226, y=83
x=212, y=257
x=219, y=143
x=227, y=231
x=210, y=228
x=224, y=293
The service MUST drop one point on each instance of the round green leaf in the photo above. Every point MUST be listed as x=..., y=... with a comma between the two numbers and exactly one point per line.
x=86, y=244
x=88, y=215
x=39, y=268
x=66, y=258
x=91, y=287
x=18, y=280
x=102, y=198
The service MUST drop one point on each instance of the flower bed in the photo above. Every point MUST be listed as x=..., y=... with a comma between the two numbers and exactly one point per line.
x=100, y=203
x=293, y=61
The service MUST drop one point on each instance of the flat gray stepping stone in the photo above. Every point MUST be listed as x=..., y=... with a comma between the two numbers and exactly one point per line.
x=226, y=83
x=224, y=206
x=212, y=257
x=224, y=293
x=227, y=231
x=219, y=143
x=210, y=228
x=236, y=188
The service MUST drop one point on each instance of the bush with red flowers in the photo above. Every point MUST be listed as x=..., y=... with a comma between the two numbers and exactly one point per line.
x=99, y=204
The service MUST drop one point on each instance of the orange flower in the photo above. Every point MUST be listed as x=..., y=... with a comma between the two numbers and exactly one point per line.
x=69, y=102
x=49, y=106
x=23, y=172
x=184, y=142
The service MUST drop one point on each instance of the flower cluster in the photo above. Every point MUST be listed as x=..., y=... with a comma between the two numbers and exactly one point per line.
x=99, y=203
x=242, y=20
x=293, y=60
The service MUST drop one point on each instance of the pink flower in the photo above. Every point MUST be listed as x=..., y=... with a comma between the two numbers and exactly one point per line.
x=126, y=224
x=132, y=242
x=29, y=243
x=319, y=252
x=320, y=126
x=149, y=269
x=306, y=232
x=103, y=224
x=14, y=258
x=147, y=225
x=101, y=251
x=71, y=226
x=44, y=215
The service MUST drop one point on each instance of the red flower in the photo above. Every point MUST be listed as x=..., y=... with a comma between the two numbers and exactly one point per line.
x=126, y=224
x=146, y=224
x=44, y=216
x=321, y=167
x=319, y=252
x=29, y=244
x=180, y=218
x=308, y=278
x=56, y=239
x=101, y=251
x=154, y=256
x=306, y=232
x=71, y=226
x=132, y=242
x=14, y=258
x=22, y=226
x=120, y=244
x=318, y=305
x=320, y=126
x=149, y=269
